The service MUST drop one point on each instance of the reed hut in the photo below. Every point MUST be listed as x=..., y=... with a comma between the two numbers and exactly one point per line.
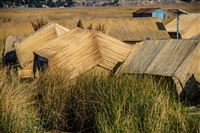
x=9, y=54
x=79, y=51
x=129, y=30
x=189, y=26
x=179, y=59
x=39, y=38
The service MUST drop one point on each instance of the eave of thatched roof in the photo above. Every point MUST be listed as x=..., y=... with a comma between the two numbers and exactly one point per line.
x=25, y=48
x=79, y=50
x=128, y=29
x=189, y=25
x=173, y=58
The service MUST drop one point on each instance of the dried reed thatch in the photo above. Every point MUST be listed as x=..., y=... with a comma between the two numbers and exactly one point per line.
x=39, y=38
x=39, y=24
x=179, y=59
x=189, y=25
x=128, y=29
x=79, y=50
x=10, y=43
x=196, y=36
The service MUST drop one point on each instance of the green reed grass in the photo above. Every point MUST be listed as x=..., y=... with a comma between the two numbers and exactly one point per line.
x=93, y=103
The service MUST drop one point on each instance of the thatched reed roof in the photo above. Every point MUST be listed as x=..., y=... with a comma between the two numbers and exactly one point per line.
x=189, y=25
x=78, y=51
x=197, y=36
x=128, y=29
x=39, y=38
x=173, y=58
x=10, y=43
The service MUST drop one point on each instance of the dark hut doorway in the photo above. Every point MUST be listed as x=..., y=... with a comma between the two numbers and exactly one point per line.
x=40, y=64
x=10, y=59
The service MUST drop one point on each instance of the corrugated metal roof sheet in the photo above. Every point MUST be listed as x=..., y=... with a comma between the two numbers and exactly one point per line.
x=174, y=58
x=39, y=38
x=128, y=29
x=78, y=51
x=145, y=10
x=189, y=25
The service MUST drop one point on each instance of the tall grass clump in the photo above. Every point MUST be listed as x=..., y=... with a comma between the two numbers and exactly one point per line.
x=98, y=103
x=2, y=42
x=39, y=24
x=52, y=98
x=17, y=105
x=93, y=103
x=128, y=104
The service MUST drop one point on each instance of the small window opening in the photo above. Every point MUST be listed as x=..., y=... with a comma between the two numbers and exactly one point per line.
x=10, y=59
x=160, y=26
